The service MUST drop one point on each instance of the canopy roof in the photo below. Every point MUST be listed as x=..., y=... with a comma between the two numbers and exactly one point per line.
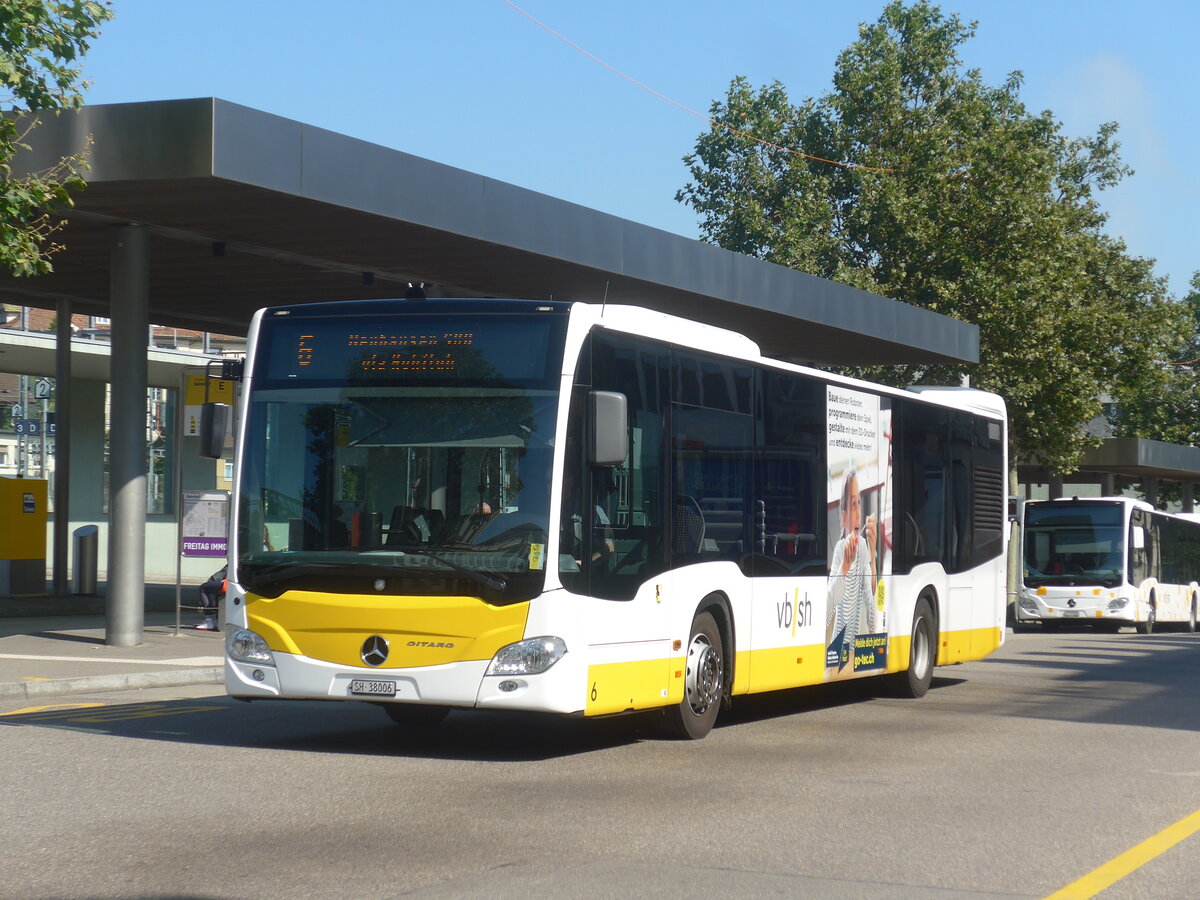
x=247, y=209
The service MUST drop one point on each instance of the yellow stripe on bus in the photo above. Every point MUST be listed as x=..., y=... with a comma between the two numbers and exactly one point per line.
x=642, y=684
x=646, y=684
x=785, y=667
x=956, y=646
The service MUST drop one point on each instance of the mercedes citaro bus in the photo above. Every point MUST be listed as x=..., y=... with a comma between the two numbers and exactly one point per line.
x=1109, y=562
x=592, y=510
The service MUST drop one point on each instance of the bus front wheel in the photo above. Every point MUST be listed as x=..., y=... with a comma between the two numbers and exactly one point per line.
x=1147, y=627
x=915, y=680
x=704, y=681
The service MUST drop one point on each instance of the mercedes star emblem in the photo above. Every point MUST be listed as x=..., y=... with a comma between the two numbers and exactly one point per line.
x=374, y=650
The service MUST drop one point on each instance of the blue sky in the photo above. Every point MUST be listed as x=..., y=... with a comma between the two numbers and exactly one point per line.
x=477, y=85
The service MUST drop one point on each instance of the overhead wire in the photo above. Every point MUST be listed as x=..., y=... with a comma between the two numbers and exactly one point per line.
x=689, y=110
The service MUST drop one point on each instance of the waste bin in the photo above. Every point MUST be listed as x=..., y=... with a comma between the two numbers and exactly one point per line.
x=86, y=541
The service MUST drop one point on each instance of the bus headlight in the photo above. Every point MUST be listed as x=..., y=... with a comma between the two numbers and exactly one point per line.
x=1118, y=603
x=1027, y=603
x=244, y=645
x=528, y=657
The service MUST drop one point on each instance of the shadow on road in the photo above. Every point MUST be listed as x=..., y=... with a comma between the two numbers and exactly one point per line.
x=361, y=729
x=1117, y=679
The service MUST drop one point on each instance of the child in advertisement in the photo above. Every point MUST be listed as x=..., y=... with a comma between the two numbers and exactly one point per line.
x=855, y=628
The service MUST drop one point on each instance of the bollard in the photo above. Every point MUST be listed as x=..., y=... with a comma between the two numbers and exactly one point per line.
x=86, y=540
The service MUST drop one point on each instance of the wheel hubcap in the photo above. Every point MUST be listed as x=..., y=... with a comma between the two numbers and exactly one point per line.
x=920, y=649
x=703, y=681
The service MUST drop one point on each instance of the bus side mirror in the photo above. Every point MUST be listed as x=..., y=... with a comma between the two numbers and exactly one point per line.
x=610, y=428
x=1139, y=537
x=214, y=422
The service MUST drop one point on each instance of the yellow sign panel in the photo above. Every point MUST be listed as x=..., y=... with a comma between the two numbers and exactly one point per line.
x=22, y=518
x=219, y=391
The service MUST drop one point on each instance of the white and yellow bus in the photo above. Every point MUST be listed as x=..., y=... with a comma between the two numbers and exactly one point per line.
x=1109, y=562
x=592, y=510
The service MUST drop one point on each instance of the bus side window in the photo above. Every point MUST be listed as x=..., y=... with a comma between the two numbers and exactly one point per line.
x=789, y=521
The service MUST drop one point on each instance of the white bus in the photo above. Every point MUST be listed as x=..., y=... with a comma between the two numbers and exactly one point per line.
x=1111, y=562
x=593, y=510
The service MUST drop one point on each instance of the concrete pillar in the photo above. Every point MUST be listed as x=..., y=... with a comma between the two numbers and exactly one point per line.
x=130, y=302
x=1108, y=484
x=1189, y=497
x=62, y=449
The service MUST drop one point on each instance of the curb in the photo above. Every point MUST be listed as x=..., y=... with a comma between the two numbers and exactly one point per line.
x=133, y=681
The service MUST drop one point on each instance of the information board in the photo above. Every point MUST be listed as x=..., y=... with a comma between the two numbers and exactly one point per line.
x=205, y=523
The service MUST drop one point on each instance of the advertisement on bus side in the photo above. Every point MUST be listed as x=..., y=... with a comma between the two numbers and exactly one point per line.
x=859, y=505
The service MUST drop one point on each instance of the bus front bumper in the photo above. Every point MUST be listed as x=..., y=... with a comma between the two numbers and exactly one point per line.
x=460, y=684
x=1033, y=607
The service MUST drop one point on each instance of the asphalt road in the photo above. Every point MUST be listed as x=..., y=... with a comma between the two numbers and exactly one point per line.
x=1015, y=777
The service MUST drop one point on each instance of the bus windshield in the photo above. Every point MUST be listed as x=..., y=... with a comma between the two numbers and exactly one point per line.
x=1074, y=544
x=363, y=475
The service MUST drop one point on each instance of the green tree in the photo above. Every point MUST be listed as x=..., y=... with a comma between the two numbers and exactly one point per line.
x=1164, y=404
x=41, y=44
x=918, y=181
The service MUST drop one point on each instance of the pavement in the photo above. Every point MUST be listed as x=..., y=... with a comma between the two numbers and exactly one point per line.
x=54, y=646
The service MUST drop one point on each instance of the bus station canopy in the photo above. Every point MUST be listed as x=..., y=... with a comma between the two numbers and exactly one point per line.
x=1127, y=459
x=246, y=209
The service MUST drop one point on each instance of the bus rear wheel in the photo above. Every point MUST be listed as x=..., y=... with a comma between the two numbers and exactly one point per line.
x=704, y=682
x=915, y=680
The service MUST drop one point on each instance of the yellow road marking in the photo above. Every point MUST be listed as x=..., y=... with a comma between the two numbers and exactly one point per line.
x=1115, y=869
x=35, y=709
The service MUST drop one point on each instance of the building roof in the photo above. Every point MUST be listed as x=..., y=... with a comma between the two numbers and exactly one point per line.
x=1143, y=458
x=247, y=209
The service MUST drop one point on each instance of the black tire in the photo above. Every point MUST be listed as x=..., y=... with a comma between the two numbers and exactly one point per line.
x=415, y=715
x=1147, y=627
x=1190, y=624
x=914, y=681
x=704, y=683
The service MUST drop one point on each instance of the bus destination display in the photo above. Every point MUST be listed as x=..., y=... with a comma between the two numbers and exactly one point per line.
x=407, y=353
x=479, y=350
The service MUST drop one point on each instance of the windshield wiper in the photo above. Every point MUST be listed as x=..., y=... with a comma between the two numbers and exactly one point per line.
x=495, y=583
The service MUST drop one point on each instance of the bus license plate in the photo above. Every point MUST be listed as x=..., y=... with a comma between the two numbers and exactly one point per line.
x=373, y=688
x=1072, y=613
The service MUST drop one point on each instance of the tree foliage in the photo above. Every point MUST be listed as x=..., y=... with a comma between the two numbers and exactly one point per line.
x=1164, y=404
x=41, y=45
x=946, y=193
